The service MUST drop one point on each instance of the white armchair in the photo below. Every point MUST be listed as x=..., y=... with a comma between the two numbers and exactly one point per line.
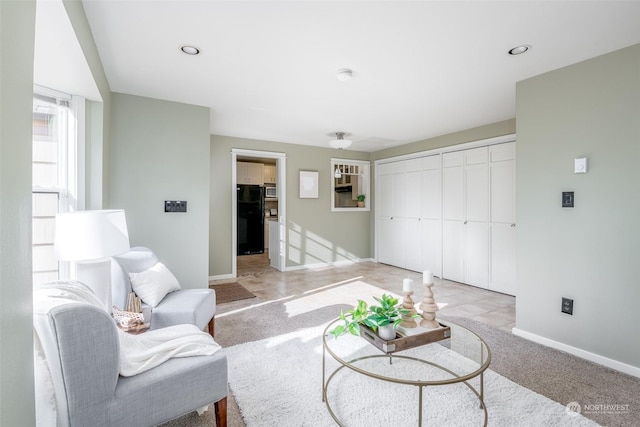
x=78, y=375
x=194, y=306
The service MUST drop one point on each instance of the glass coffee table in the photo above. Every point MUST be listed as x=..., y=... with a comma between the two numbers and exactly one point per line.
x=460, y=359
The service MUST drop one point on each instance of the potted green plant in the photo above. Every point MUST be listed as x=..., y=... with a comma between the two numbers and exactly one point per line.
x=383, y=318
x=360, y=198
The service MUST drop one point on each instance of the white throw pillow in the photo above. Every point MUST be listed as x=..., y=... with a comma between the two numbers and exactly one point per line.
x=154, y=284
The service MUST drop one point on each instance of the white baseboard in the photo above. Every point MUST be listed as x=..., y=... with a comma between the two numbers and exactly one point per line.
x=303, y=267
x=222, y=276
x=327, y=264
x=593, y=357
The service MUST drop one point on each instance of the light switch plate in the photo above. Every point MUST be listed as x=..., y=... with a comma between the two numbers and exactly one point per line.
x=580, y=165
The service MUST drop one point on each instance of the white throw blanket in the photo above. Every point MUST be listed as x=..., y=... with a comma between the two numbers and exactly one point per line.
x=139, y=353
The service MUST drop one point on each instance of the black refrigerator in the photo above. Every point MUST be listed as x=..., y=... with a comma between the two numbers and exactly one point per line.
x=250, y=219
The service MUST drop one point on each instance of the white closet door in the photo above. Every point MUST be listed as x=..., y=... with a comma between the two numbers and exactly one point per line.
x=384, y=231
x=413, y=206
x=431, y=236
x=452, y=250
x=453, y=216
x=503, y=241
x=385, y=195
x=476, y=229
x=413, y=244
x=476, y=254
x=413, y=194
x=398, y=194
x=397, y=242
x=453, y=187
x=503, y=218
x=431, y=224
x=431, y=188
x=503, y=192
x=384, y=186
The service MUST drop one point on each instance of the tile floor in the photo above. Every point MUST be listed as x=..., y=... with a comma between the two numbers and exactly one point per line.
x=346, y=283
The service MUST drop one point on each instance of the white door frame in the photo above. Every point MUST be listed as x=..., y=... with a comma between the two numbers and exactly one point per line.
x=281, y=167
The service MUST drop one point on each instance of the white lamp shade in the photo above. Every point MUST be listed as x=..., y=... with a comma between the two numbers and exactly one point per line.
x=340, y=143
x=90, y=235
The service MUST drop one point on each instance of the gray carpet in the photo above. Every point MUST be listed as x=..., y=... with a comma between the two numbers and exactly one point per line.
x=552, y=373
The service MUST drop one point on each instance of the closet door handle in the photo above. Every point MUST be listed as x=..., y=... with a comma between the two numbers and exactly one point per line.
x=513, y=226
x=465, y=222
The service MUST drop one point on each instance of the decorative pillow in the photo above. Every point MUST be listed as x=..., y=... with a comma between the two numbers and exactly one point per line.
x=154, y=284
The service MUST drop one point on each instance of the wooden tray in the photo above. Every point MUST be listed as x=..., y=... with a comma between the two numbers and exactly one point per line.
x=405, y=338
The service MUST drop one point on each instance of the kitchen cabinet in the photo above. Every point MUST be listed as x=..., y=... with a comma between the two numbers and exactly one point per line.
x=269, y=174
x=249, y=173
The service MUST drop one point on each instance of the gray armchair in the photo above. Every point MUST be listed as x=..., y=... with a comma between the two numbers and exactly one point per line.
x=82, y=350
x=194, y=306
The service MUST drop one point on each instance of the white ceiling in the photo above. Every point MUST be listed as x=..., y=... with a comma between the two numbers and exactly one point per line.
x=420, y=68
x=58, y=59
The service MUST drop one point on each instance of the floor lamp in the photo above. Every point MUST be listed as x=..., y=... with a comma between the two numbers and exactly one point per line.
x=89, y=238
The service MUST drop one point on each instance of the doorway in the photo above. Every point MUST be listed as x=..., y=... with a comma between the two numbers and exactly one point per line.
x=275, y=212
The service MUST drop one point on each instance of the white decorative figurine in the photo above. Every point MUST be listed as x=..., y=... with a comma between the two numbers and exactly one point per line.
x=407, y=304
x=428, y=304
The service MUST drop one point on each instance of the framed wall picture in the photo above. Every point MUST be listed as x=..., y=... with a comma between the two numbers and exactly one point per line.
x=308, y=184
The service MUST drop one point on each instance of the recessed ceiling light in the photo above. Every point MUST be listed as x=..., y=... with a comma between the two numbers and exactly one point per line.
x=190, y=50
x=518, y=50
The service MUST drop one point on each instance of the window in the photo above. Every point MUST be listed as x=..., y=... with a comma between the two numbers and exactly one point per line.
x=53, y=175
x=350, y=185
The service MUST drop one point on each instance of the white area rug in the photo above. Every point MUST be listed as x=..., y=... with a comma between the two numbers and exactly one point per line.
x=278, y=382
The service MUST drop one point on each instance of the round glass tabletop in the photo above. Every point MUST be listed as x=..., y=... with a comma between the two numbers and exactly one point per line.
x=462, y=356
x=457, y=356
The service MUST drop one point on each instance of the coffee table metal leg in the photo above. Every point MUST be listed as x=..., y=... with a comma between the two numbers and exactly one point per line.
x=482, y=380
x=420, y=406
x=324, y=357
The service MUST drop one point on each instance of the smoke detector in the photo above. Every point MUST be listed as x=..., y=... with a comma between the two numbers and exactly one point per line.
x=344, y=74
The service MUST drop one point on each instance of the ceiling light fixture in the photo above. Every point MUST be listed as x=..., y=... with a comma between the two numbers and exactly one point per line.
x=190, y=50
x=340, y=143
x=518, y=50
x=344, y=74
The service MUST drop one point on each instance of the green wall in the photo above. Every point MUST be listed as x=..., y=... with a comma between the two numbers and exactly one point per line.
x=160, y=151
x=17, y=34
x=97, y=125
x=590, y=252
x=506, y=127
x=314, y=233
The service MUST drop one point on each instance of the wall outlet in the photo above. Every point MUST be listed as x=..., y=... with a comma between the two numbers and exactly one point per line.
x=567, y=199
x=567, y=305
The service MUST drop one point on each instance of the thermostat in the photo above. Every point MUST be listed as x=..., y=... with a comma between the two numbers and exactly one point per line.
x=580, y=165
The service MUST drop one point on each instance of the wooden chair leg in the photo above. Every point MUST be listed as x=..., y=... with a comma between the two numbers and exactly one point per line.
x=221, y=412
x=212, y=326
